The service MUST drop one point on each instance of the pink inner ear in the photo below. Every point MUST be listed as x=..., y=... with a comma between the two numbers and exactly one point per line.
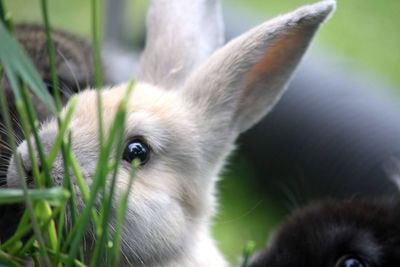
x=280, y=56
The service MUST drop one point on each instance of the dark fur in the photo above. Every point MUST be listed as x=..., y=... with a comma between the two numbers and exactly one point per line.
x=319, y=235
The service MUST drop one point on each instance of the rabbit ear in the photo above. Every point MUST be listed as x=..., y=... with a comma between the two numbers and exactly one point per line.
x=180, y=35
x=242, y=81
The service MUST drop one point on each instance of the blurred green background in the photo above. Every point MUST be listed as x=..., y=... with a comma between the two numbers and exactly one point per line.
x=364, y=32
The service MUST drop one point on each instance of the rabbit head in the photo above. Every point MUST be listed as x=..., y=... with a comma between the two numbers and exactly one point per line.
x=347, y=233
x=73, y=62
x=184, y=115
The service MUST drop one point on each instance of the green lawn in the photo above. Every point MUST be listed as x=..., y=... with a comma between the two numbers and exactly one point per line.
x=366, y=32
x=72, y=15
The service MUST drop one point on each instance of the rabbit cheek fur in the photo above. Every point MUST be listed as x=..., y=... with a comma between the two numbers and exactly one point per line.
x=191, y=130
x=319, y=235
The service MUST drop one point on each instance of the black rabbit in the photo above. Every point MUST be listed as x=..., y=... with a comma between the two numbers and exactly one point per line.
x=346, y=233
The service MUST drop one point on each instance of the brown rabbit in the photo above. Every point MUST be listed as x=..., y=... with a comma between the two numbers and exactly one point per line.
x=75, y=72
x=74, y=68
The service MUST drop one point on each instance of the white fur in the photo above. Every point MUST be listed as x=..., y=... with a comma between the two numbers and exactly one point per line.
x=191, y=130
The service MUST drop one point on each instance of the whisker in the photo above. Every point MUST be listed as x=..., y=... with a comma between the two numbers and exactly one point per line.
x=70, y=69
x=4, y=131
x=2, y=141
x=15, y=118
x=5, y=149
x=17, y=123
x=68, y=92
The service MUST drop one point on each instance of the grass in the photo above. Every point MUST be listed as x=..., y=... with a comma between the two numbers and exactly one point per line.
x=52, y=242
x=245, y=213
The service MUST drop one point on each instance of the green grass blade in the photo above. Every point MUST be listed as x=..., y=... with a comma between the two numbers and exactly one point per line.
x=62, y=130
x=79, y=178
x=98, y=181
x=247, y=252
x=118, y=143
x=123, y=203
x=64, y=257
x=100, y=175
x=8, y=260
x=28, y=115
x=84, y=189
x=32, y=155
x=10, y=138
x=96, y=40
x=2, y=13
x=43, y=225
x=44, y=213
x=55, y=195
x=60, y=232
x=20, y=172
x=5, y=17
x=52, y=55
x=73, y=208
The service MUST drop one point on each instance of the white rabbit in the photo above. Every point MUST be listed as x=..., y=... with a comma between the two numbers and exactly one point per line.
x=184, y=116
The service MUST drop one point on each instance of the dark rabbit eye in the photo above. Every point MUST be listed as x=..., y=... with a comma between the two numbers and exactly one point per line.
x=137, y=149
x=63, y=88
x=350, y=261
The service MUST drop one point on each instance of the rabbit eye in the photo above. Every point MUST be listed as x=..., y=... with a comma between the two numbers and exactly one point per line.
x=350, y=261
x=137, y=149
x=49, y=85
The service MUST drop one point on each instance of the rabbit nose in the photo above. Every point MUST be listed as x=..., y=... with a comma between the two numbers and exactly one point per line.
x=28, y=174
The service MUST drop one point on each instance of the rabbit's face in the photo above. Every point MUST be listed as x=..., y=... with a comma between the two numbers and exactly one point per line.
x=337, y=234
x=171, y=192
